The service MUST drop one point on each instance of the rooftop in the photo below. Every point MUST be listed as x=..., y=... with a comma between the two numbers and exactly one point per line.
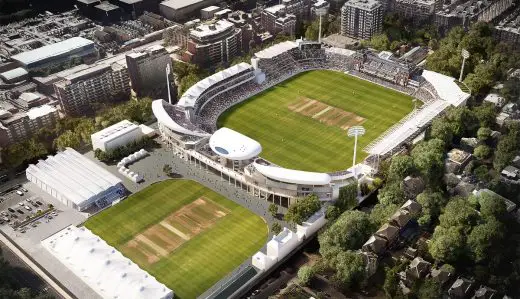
x=205, y=30
x=363, y=4
x=233, y=145
x=106, y=6
x=276, y=50
x=36, y=112
x=52, y=50
x=178, y=4
x=14, y=73
x=115, y=130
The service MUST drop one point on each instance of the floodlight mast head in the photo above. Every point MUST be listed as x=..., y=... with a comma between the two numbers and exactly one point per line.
x=168, y=70
x=465, y=55
x=355, y=131
x=320, y=12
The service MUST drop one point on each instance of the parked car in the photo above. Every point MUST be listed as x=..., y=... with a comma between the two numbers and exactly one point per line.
x=21, y=204
x=4, y=213
x=19, y=211
x=27, y=208
x=19, y=192
x=39, y=202
x=24, y=190
x=11, y=210
x=28, y=200
x=6, y=219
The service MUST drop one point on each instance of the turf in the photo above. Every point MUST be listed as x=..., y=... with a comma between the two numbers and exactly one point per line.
x=203, y=260
x=293, y=140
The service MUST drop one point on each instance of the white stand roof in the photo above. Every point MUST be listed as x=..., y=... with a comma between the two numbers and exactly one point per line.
x=293, y=176
x=232, y=145
x=102, y=267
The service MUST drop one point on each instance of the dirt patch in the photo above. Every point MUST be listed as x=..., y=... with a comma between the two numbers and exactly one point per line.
x=326, y=114
x=164, y=237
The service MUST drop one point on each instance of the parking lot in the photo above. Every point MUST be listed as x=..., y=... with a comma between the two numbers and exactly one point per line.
x=21, y=209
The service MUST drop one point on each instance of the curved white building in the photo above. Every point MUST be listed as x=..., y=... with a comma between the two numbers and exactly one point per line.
x=232, y=145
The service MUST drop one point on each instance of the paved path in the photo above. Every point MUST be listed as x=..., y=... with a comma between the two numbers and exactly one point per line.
x=35, y=268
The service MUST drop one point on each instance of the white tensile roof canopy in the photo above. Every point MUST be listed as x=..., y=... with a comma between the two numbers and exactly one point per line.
x=232, y=145
x=102, y=267
x=293, y=176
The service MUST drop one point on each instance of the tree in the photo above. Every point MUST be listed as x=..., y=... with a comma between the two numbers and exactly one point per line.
x=391, y=193
x=482, y=78
x=430, y=289
x=380, y=42
x=68, y=139
x=483, y=237
x=312, y=31
x=167, y=169
x=332, y=213
x=276, y=228
x=400, y=167
x=442, y=129
x=350, y=231
x=506, y=149
x=491, y=206
x=302, y=209
x=483, y=134
x=482, y=173
x=381, y=213
x=463, y=121
x=428, y=157
x=482, y=152
x=347, y=198
x=511, y=90
x=187, y=82
x=350, y=269
x=305, y=275
x=447, y=244
x=459, y=212
x=486, y=115
x=432, y=203
x=273, y=210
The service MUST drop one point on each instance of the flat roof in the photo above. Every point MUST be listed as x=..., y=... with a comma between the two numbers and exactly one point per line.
x=178, y=4
x=293, y=176
x=114, y=131
x=210, y=8
x=230, y=144
x=14, y=73
x=218, y=27
x=107, y=6
x=276, y=50
x=52, y=50
x=40, y=111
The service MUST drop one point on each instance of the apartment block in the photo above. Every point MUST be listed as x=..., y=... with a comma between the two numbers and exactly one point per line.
x=361, y=18
x=147, y=70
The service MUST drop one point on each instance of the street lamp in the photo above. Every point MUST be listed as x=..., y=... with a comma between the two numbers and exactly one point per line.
x=465, y=55
x=168, y=82
x=355, y=131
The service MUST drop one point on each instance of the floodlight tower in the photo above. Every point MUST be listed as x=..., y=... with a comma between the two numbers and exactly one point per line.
x=465, y=55
x=168, y=70
x=355, y=131
x=320, y=12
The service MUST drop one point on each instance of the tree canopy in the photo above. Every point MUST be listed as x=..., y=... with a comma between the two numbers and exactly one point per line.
x=302, y=209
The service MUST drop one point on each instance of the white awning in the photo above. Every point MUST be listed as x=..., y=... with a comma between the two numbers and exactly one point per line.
x=446, y=88
x=233, y=145
x=293, y=176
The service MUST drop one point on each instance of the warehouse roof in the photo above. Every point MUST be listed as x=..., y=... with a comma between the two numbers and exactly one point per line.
x=52, y=50
x=178, y=4
x=102, y=267
x=73, y=176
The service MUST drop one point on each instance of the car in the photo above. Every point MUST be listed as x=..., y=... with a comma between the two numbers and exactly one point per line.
x=6, y=219
x=14, y=216
x=34, y=225
x=27, y=208
x=28, y=200
x=39, y=202
x=34, y=204
x=11, y=210
x=21, y=204
x=54, y=213
x=49, y=217
x=19, y=192
x=24, y=190
x=19, y=211
x=4, y=213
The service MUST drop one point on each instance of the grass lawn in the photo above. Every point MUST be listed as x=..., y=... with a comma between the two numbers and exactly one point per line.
x=199, y=262
x=293, y=140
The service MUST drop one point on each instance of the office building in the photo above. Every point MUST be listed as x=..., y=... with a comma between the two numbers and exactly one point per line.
x=361, y=18
x=17, y=125
x=146, y=70
x=213, y=43
x=276, y=19
x=182, y=10
x=79, y=87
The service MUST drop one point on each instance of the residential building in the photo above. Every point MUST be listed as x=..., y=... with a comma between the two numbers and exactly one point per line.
x=508, y=30
x=102, y=82
x=416, y=10
x=213, y=43
x=144, y=69
x=16, y=125
x=276, y=19
x=361, y=18
x=319, y=7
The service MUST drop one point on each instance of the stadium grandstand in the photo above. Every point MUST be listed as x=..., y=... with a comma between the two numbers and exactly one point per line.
x=188, y=126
